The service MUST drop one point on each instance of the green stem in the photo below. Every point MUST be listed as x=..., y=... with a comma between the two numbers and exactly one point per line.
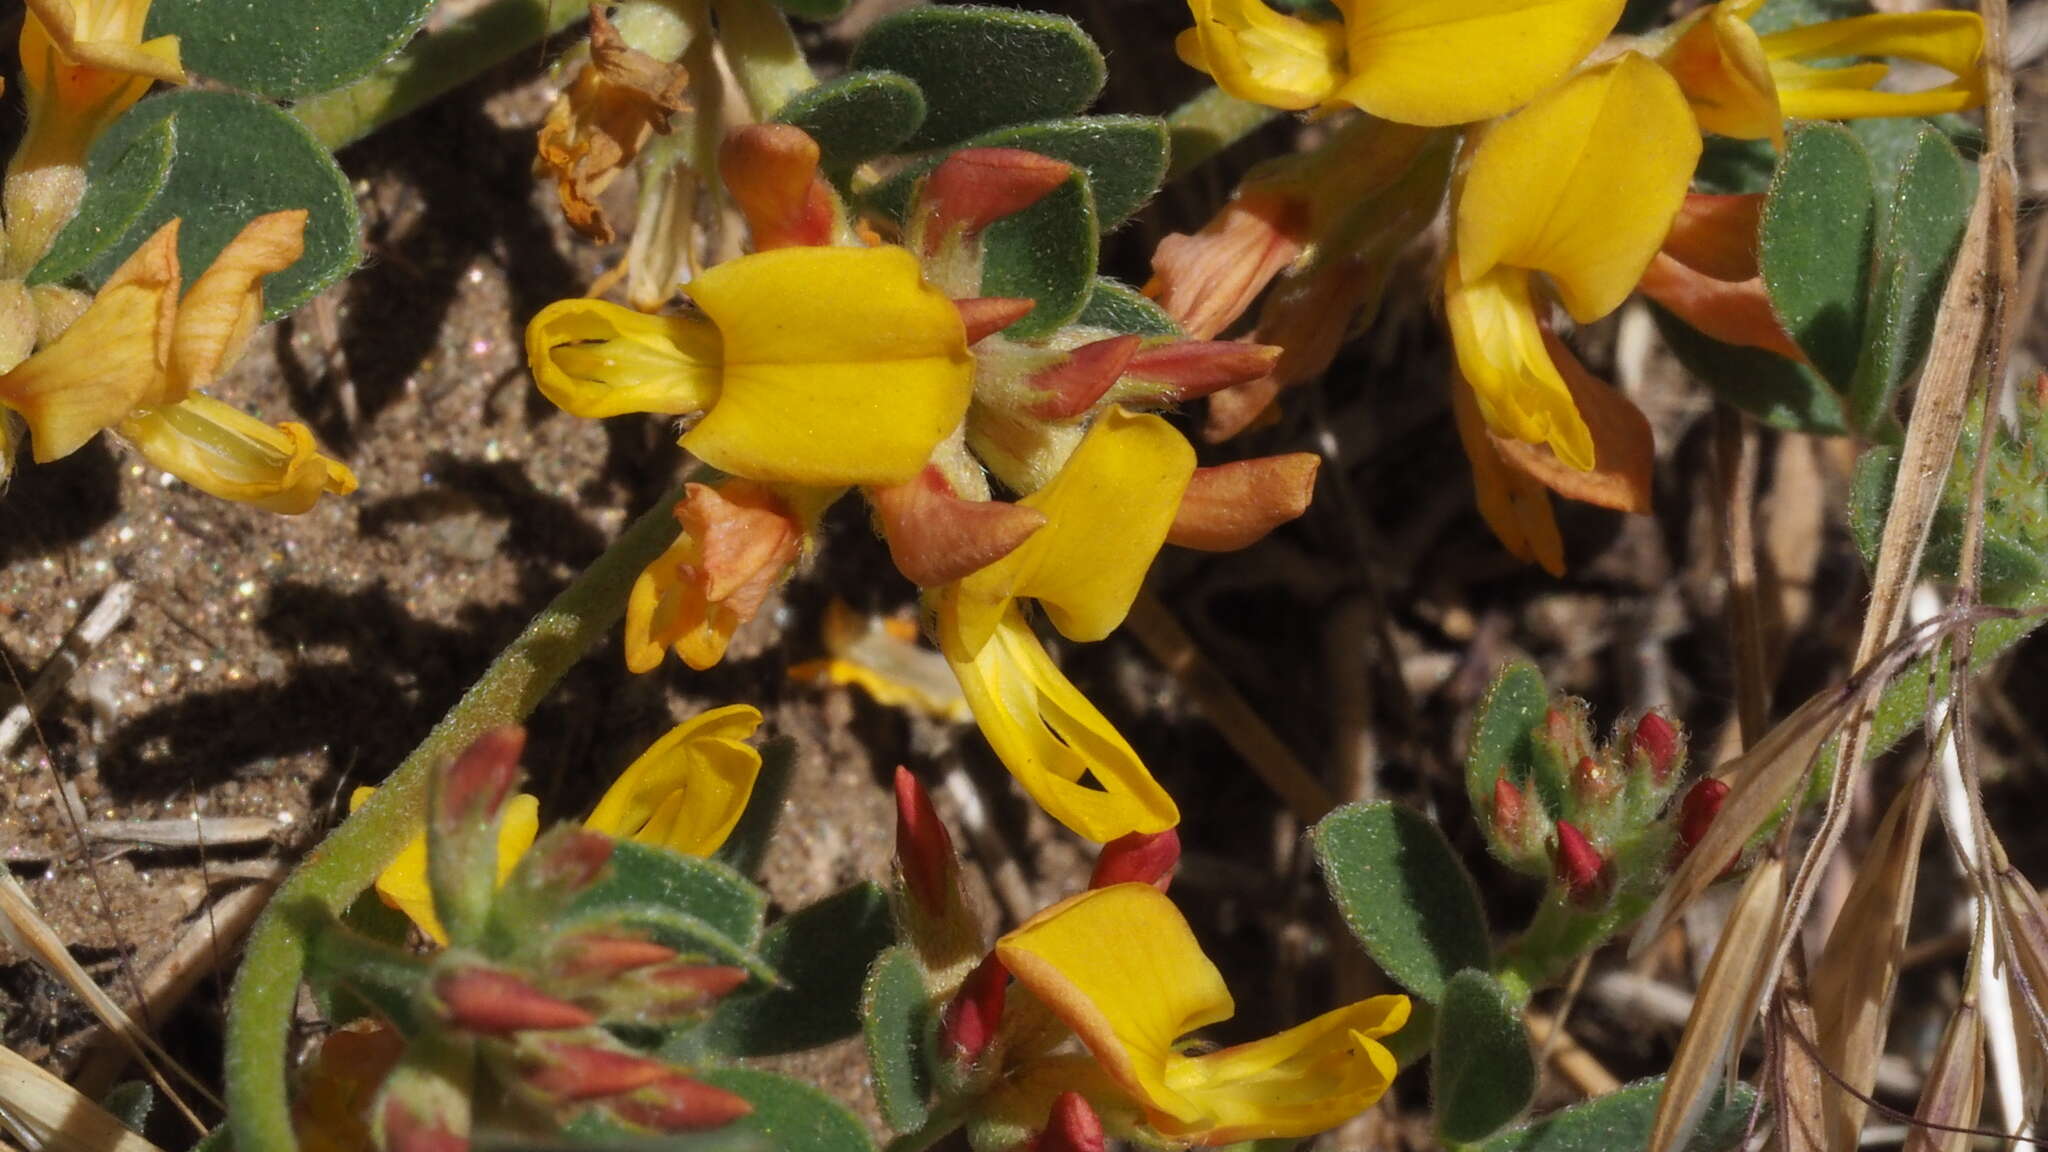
x=764, y=55
x=943, y=1122
x=1208, y=124
x=267, y=986
x=433, y=65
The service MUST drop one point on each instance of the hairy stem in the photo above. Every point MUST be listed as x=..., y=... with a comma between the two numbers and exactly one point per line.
x=267, y=986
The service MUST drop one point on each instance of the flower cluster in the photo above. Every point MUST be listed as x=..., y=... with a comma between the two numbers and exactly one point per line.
x=1570, y=191
x=134, y=358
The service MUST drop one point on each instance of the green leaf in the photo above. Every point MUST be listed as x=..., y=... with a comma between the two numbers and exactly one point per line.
x=1502, y=731
x=347, y=968
x=983, y=68
x=857, y=117
x=596, y=1128
x=1769, y=387
x=896, y=1018
x=287, y=50
x=236, y=159
x=1045, y=253
x=1622, y=1118
x=120, y=184
x=130, y=1102
x=642, y=876
x=1482, y=1074
x=823, y=953
x=1403, y=893
x=1735, y=167
x=793, y=1116
x=1819, y=227
x=747, y=848
x=1124, y=157
x=1929, y=210
x=1119, y=307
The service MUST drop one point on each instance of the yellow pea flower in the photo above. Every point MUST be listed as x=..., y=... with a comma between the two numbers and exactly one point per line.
x=1581, y=186
x=1746, y=85
x=1120, y=966
x=135, y=359
x=83, y=63
x=1107, y=513
x=816, y=366
x=685, y=793
x=1435, y=64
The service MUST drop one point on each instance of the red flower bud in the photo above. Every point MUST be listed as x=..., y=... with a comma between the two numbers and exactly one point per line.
x=1140, y=858
x=1696, y=814
x=1072, y=1126
x=971, y=1019
x=1579, y=868
x=976, y=187
x=575, y=1072
x=1073, y=385
x=924, y=852
x=987, y=315
x=680, y=1104
x=1193, y=368
x=480, y=780
x=496, y=1003
x=598, y=956
x=1591, y=781
x=1509, y=808
x=569, y=859
x=1657, y=742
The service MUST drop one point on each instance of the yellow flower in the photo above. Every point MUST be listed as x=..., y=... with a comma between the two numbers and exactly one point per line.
x=817, y=366
x=685, y=793
x=1432, y=63
x=83, y=63
x=1746, y=86
x=1581, y=186
x=135, y=360
x=1107, y=513
x=1120, y=967
x=881, y=656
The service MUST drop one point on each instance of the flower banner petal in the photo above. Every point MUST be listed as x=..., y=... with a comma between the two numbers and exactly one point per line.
x=686, y=792
x=1443, y=62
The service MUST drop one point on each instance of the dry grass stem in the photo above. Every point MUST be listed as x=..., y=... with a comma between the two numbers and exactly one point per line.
x=47, y=1115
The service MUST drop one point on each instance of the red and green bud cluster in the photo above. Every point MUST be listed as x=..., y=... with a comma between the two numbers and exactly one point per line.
x=1590, y=817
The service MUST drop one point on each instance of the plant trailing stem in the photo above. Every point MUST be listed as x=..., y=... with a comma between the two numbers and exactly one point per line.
x=432, y=65
x=266, y=988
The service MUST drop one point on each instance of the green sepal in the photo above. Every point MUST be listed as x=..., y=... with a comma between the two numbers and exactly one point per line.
x=981, y=68
x=1403, y=893
x=1119, y=307
x=896, y=1021
x=287, y=50
x=1623, y=1118
x=1482, y=1074
x=857, y=117
x=1045, y=253
x=237, y=158
x=791, y=1115
x=1815, y=244
x=822, y=954
x=120, y=184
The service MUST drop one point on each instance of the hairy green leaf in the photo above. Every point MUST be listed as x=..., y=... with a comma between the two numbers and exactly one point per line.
x=120, y=184
x=1403, y=893
x=1769, y=387
x=1923, y=229
x=822, y=953
x=1124, y=156
x=1045, y=253
x=1483, y=1074
x=982, y=68
x=1819, y=228
x=1502, y=729
x=896, y=1019
x=237, y=158
x=659, y=880
x=1621, y=1119
x=287, y=50
x=791, y=1115
x=1119, y=307
x=857, y=117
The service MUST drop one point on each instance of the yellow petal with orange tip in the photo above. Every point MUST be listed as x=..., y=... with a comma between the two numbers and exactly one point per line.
x=109, y=362
x=1121, y=967
x=1501, y=352
x=1308, y=1079
x=1441, y=62
x=403, y=883
x=225, y=452
x=1514, y=506
x=1257, y=54
x=1719, y=63
x=1951, y=41
x=596, y=359
x=1107, y=514
x=226, y=303
x=687, y=791
x=841, y=366
x=1062, y=750
x=1581, y=185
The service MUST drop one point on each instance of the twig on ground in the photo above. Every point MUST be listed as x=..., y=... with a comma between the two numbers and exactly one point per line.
x=106, y=615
